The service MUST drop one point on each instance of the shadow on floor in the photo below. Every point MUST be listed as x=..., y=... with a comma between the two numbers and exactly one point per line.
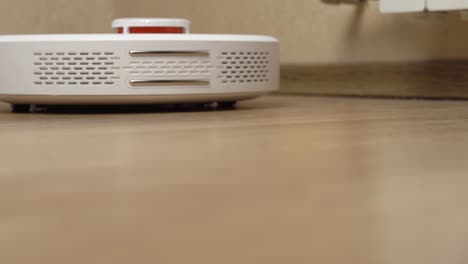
x=123, y=109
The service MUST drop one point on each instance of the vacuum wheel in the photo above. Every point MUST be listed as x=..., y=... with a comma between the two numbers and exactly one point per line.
x=227, y=105
x=21, y=108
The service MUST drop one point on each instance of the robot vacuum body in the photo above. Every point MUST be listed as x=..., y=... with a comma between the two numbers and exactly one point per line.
x=147, y=68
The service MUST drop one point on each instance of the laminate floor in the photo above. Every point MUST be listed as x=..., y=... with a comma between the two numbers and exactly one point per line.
x=282, y=179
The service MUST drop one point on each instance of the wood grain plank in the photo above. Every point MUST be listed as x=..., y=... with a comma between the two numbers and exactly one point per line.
x=282, y=179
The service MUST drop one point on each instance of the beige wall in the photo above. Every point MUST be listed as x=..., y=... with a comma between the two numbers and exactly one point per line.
x=310, y=32
x=55, y=16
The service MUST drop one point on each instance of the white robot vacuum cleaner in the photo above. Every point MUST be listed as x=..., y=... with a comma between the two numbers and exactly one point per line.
x=148, y=61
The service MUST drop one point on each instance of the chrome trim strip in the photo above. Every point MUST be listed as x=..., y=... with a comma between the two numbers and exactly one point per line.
x=158, y=53
x=146, y=83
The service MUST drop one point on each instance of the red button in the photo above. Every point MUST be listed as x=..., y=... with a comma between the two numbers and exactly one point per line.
x=154, y=30
x=151, y=26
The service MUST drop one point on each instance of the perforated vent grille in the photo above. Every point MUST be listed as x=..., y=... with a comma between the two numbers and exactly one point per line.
x=75, y=68
x=88, y=68
x=244, y=67
x=170, y=67
x=229, y=67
